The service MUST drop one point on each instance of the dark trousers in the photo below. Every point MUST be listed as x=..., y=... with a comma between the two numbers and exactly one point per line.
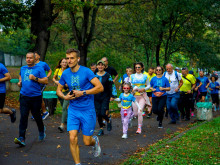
x=32, y=104
x=101, y=107
x=186, y=101
x=158, y=104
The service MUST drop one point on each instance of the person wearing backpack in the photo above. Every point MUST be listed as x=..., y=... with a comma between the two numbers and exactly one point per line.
x=186, y=93
x=175, y=81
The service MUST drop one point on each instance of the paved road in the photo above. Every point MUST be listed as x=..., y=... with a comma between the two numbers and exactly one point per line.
x=55, y=149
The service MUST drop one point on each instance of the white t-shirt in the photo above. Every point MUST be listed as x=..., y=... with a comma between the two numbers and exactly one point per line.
x=173, y=81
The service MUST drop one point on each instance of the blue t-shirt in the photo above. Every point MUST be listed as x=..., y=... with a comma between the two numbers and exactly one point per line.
x=79, y=80
x=213, y=86
x=29, y=87
x=3, y=70
x=204, y=81
x=126, y=101
x=159, y=82
x=44, y=65
x=124, y=76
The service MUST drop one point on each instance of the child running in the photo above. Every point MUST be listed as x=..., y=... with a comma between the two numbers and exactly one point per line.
x=126, y=99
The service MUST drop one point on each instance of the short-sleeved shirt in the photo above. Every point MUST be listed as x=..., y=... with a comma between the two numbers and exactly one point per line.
x=204, y=80
x=173, y=80
x=156, y=83
x=140, y=82
x=126, y=101
x=58, y=72
x=187, y=85
x=29, y=87
x=150, y=77
x=213, y=86
x=79, y=80
x=3, y=71
x=44, y=65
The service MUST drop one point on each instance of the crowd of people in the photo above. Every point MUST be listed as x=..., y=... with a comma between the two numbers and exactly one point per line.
x=85, y=95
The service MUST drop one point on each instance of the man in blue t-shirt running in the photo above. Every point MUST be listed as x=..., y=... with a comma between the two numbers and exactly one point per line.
x=30, y=78
x=83, y=85
x=5, y=76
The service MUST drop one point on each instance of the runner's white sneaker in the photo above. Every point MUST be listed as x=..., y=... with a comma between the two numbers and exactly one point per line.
x=124, y=136
x=96, y=147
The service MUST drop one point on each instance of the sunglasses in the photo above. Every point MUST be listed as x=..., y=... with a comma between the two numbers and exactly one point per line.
x=158, y=70
x=126, y=88
x=138, y=67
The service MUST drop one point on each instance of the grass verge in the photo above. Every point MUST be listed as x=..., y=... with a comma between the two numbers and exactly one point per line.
x=197, y=146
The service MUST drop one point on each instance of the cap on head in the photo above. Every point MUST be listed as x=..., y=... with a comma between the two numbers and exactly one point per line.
x=100, y=61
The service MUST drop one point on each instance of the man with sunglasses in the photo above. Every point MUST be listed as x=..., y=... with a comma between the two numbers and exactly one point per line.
x=173, y=95
x=186, y=93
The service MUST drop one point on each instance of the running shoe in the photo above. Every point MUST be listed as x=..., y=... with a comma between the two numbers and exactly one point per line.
x=61, y=129
x=20, y=141
x=13, y=115
x=138, y=131
x=143, y=114
x=109, y=125
x=192, y=114
x=148, y=116
x=160, y=125
x=42, y=135
x=96, y=147
x=101, y=132
x=32, y=117
x=124, y=136
x=45, y=115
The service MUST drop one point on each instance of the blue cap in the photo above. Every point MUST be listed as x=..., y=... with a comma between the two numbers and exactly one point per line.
x=190, y=72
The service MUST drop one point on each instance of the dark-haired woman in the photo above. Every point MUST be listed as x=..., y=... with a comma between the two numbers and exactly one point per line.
x=140, y=84
x=159, y=85
x=62, y=65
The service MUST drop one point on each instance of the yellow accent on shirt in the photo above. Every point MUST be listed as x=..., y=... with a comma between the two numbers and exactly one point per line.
x=149, y=77
x=58, y=72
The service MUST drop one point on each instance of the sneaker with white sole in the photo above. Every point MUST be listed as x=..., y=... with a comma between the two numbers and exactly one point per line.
x=124, y=136
x=45, y=115
x=138, y=131
x=96, y=147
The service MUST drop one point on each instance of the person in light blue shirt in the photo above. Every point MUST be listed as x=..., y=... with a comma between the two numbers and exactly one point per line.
x=83, y=85
x=203, y=88
x=5, y=76
x=30, y=78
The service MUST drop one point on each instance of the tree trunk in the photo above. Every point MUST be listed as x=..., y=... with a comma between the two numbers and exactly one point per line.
x=41, y=20
x=83, y=54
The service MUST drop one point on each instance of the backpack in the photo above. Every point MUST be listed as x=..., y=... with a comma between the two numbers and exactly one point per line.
x=176, y=75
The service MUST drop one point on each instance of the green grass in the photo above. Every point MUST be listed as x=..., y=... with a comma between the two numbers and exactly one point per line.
x=197, y=146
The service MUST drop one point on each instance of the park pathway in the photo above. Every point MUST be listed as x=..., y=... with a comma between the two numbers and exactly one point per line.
x=55, y=149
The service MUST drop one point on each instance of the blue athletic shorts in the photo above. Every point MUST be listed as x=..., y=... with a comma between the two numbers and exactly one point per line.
x=84, y=120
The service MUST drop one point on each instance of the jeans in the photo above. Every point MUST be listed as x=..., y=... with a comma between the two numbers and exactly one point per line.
x=158, y=106
x=172, y=105
x=32, y=104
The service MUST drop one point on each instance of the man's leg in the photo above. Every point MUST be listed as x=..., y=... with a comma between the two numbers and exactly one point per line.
x=74, y=147
x=35, y=110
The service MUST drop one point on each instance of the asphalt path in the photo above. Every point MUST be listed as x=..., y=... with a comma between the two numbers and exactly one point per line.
x=55, y=148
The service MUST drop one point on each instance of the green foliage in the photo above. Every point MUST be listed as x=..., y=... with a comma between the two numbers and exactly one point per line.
x=52, y=59
x=15, y=42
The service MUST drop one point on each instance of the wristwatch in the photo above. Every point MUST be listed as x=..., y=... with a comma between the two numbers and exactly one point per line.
x=84, y=93
x=36, y=78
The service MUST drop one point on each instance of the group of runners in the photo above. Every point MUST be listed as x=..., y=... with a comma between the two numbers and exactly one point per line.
x=85, y=95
